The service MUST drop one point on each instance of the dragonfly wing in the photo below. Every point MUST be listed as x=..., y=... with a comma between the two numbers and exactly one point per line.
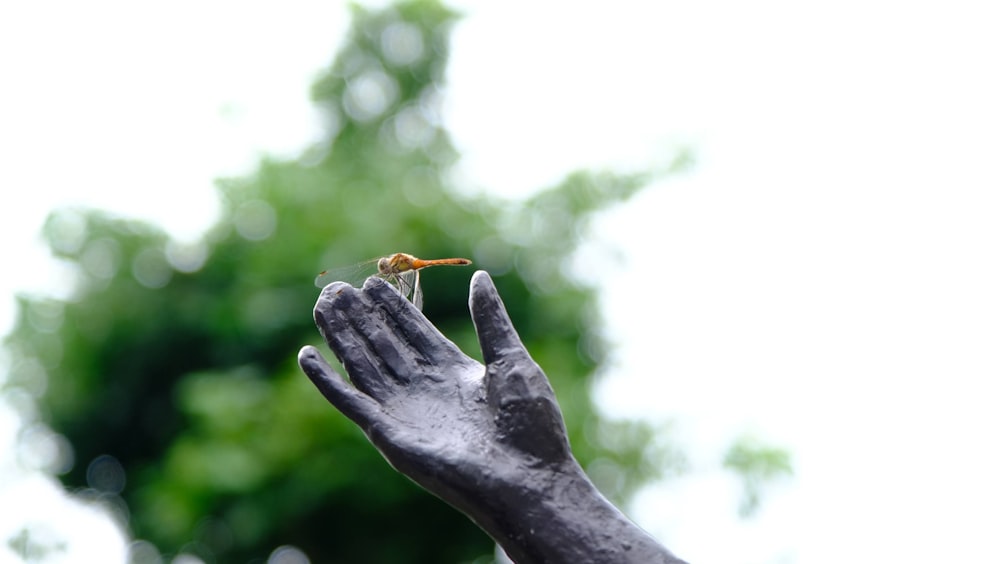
x=354, y=274
x=418, y=293
x=324, y=278
x=409, y=285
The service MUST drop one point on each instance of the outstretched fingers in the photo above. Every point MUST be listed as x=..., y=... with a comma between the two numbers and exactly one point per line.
x=344, y=317
x=385, y=344
x=427, y=347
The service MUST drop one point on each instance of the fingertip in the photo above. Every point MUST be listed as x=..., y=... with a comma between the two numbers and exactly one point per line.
x=329, y=298
x=307, y=351
x=308, y=355
x=333, y=290
x=481, y=281
x=493, y=325
x=313, y=363
x=329, y=314
x=374, y=282
x=380, y=289
x=481, y=289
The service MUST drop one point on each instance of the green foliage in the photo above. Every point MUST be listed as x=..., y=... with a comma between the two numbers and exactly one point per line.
x=179, y=361
x=757, y=465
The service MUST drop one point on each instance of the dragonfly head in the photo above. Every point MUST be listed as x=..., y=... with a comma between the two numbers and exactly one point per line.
x=384, y=266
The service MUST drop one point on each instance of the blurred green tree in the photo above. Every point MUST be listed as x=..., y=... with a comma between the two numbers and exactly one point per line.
x=757, y=465
x=172, y=369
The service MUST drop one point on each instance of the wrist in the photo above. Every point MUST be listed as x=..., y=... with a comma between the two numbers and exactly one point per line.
x=556, y=514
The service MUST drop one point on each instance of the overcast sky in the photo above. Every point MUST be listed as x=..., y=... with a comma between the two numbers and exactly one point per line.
x=824, y=278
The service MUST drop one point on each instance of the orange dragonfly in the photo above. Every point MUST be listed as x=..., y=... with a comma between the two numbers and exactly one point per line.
x=401, y=270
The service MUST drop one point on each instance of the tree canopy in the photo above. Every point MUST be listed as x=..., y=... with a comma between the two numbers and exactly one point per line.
x=172, y=370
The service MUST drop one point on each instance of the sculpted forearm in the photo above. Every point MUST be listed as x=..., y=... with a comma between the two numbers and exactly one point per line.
x=559, y=516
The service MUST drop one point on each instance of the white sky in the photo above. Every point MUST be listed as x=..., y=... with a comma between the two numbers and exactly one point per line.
x=826, y=277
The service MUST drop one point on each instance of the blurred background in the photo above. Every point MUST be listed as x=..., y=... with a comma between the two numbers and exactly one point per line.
x=753, y=246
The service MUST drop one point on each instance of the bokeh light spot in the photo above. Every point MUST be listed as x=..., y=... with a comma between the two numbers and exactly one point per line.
x=402, y=43
x=608, y=476
x=106, y=474
x=411, y=129
x=101, y=258
x=287, y=555
x=369, y=95
x=150, y=268
x=215, y=534
x=421, y=186
x=66, y=231
x=39, y=448
x=494, y=255
x=45, y=316
x=186, y=257
x=144, y=552
x=255, y=220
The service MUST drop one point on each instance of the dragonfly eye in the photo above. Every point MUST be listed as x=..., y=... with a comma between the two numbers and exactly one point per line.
x=383, y=265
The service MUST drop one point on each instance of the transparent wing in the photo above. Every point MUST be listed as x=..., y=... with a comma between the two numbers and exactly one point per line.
x=409, y=285
x=418, y=292
x=354, y=274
